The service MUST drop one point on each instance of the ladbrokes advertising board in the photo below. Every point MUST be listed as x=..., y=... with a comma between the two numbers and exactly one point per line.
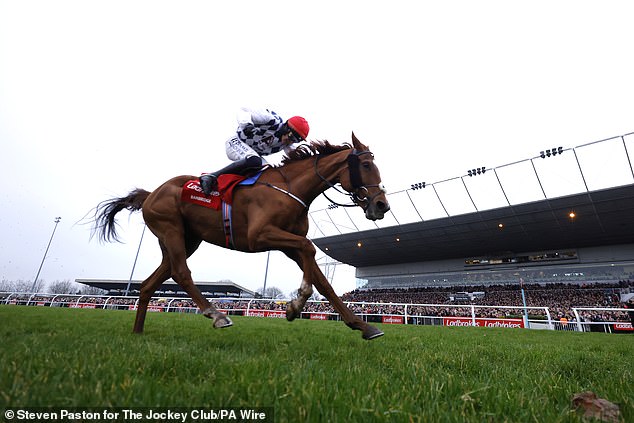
x=489, y=323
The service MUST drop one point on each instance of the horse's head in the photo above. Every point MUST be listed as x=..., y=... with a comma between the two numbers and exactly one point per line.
x=363, y=181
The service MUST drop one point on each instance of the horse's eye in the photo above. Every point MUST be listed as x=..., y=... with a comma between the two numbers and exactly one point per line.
x=366, y=165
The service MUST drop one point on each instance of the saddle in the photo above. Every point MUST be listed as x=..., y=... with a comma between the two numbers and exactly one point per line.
x=193, y=193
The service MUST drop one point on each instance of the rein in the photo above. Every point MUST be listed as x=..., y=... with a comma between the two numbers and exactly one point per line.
x=355, y=179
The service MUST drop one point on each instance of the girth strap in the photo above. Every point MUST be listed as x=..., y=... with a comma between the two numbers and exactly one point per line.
x=226, y=218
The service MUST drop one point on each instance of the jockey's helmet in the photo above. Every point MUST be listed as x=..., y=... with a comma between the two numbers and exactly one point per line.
x=299, y=126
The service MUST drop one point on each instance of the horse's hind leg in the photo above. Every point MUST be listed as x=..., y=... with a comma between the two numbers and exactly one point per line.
x=148, y=288
x=185, y=280
x=182, y=275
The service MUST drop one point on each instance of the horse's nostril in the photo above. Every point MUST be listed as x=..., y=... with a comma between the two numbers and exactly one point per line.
x=382, y=206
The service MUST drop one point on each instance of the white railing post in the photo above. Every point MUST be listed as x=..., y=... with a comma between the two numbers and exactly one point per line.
x=6, y=300
x=169, y=304
x=550, y=320
x=578, y=318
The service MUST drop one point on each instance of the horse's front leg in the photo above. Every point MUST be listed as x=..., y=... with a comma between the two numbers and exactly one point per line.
x=304, y=256
x=352, y=320
x=300, y=249
x=295, y=307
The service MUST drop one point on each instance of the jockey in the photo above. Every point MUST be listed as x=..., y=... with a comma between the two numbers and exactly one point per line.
x=260, y=132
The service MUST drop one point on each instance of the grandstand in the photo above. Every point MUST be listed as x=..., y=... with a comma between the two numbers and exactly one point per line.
x=563, y=216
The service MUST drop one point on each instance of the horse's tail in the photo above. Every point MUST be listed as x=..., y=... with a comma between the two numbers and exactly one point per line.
x=105, y=224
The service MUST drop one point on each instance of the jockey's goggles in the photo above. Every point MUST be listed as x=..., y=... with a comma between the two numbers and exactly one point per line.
x=294, y=136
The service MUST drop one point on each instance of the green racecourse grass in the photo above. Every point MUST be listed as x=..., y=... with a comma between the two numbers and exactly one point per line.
x=307, y=371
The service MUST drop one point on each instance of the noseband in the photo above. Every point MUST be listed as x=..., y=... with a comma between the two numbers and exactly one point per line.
x=360, y=192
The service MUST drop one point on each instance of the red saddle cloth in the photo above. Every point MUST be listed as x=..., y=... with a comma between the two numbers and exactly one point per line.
x=193, y=193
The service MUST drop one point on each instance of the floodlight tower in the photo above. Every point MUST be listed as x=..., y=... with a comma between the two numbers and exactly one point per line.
x=57, y=219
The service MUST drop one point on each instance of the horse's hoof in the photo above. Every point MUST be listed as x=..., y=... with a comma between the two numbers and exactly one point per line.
x=223, y=322
x=291, y=314
x=371, y=332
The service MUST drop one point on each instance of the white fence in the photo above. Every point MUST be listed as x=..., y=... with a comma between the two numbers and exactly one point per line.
x=390, y=313
x=594, y=319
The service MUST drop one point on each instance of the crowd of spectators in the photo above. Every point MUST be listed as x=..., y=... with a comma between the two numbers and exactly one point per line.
x=559, y=298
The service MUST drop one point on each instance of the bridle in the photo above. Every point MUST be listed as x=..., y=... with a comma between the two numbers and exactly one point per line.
x=360, y=194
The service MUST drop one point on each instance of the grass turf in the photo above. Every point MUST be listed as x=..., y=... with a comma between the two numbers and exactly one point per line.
x=311, y=371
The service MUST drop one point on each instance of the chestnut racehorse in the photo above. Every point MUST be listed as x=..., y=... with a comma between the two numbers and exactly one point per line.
x=270, y=215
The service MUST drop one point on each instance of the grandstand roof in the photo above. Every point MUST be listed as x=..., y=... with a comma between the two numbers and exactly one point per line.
x=171, y=288
x=602, y=217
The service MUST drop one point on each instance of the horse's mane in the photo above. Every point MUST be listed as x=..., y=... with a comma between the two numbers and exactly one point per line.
x=305, y=151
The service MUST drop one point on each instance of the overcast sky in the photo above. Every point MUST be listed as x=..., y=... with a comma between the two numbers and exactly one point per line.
x=97, y=98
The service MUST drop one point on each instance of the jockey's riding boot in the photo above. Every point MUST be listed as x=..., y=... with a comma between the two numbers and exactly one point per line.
x=209, y=181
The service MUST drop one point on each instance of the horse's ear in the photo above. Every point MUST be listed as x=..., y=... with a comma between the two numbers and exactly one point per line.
x=358, y=145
